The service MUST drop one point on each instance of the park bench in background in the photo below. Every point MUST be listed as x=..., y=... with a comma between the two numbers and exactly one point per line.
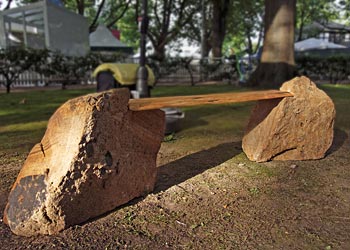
x=99, y=151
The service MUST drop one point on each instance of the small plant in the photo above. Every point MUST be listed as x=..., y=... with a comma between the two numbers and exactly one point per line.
x=194, y=226
x=129, y=216
x=254, y=191
x=169, y=138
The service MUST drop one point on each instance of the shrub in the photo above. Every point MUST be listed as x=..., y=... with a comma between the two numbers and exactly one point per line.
x=14, y=61
x=333, y=68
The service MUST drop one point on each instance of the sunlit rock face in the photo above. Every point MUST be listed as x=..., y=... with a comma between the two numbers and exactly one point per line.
x=96, y=155
x=292, y=128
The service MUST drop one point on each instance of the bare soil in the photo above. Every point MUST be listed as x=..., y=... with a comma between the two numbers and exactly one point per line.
x=210, y=196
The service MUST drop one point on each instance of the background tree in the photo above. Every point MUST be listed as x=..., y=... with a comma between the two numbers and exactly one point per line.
x=245, y=24
x=343, y=10
x=199, y=29
x=73, y=69
x=15, y=61
x=219, y=19
x=309, y=11
x=4, y=5
x=277, y=61
x=107, y=12
x=112, y=12
x=128, y=26
x=167, y=21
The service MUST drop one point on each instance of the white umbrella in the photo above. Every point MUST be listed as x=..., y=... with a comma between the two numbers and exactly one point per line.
x=313, y=43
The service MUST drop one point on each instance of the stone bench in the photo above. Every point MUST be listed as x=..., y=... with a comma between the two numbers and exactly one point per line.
x=99, y=151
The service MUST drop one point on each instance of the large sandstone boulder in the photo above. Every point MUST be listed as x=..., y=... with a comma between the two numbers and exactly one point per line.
x=292, y=128
x=96, y=154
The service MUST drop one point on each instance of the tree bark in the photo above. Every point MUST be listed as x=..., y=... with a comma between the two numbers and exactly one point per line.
x=300, y=31
x=159, y=53
x=8, y=5
x=169, y=19
x=220, y=10
x=125, y=7
x=80, y=7
x=8, y=86
x=92, y=26
x=277, y=61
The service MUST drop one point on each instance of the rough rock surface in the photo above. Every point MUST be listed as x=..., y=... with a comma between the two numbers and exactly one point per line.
x=96, y=154
x=292, y=128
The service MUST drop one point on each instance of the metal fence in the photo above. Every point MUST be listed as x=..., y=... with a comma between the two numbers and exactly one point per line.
x=32, y=79
x=194, y=70
x=174, y=70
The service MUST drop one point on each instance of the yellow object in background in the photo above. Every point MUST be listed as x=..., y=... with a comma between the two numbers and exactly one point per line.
x=124, y=73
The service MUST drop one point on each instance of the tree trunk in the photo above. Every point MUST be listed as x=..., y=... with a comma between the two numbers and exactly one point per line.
x=300, y=33
x=8, y=86
x=277, y=61
x=64, y=84
x=8, y=5
x=159, y=53
x=80, y=7
x=204, y=32
x=220, y=9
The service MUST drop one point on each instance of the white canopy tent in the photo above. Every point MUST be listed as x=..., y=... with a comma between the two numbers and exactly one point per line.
x=313, y=43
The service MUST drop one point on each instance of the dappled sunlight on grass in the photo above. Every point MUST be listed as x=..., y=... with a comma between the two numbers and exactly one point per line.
x=340, y=95
x=193, y=90
x=39, y=125
x=222, y=119
x=24, y=116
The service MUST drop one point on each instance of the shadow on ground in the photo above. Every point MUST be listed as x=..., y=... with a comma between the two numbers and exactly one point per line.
x=340, y=137
x=191, y=165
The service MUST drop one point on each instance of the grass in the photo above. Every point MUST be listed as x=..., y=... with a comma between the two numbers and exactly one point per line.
x=24, y=116
x=340, y=95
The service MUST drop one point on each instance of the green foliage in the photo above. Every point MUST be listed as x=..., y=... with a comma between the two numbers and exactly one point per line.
x=245, y=24
x=171, y=65
x=60, y=67
x=15, y=61
x=111, y=10
x=169, y=138
x=73, y=69
x=333, y=68
x=168, y=21
x=309, y=11
x=114, y=10
x=67, y=69
x=344, y=5
x=128, y=27
x=207, y=69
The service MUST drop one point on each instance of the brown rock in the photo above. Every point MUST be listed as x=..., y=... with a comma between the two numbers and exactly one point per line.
x=293, y=128
x=96, y=155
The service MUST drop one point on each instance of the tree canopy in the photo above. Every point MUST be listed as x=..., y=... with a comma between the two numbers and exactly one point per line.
x=221, y=26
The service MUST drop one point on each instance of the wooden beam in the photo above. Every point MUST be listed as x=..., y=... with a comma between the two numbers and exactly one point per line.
x=193, y=100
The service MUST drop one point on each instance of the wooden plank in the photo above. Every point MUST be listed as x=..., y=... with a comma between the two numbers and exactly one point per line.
x=193, y=100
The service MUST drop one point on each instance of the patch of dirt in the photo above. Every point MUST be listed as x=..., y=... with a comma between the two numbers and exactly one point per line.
x=213, y=197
